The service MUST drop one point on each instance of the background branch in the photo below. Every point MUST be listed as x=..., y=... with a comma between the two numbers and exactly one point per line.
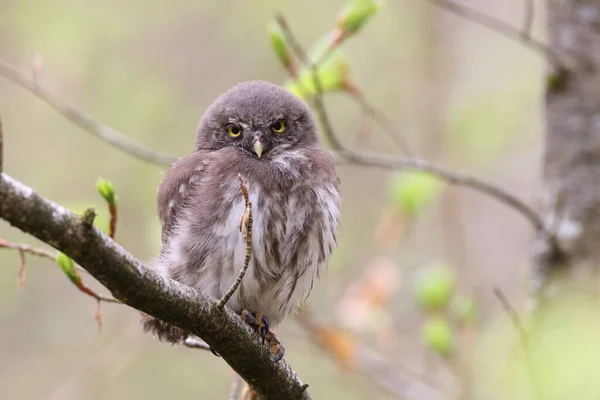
x=110, y=135
x=137, y=286
x=342, y=154
x=503, y=28
x=381, y=161
x=528, y=19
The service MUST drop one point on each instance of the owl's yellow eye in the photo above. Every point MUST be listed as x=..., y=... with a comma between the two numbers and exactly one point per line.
x=278, y=127
x=234, y=131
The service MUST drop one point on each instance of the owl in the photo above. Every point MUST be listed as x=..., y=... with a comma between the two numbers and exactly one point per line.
x=267, y=135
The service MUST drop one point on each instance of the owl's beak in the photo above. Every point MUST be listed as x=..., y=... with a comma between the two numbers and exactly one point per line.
x=257, y=146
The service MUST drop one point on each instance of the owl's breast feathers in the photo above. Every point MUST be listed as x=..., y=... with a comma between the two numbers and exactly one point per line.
x=296, y=210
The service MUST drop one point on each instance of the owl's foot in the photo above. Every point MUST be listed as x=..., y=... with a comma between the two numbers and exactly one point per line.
x=260, y=323
x=276, y=348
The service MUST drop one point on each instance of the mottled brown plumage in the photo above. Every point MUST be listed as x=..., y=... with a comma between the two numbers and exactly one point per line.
x=295, y=195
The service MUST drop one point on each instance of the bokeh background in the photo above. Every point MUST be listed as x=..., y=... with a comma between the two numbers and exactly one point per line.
x=466, y=97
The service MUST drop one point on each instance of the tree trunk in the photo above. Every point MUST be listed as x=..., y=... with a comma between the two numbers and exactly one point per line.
x=571, y=165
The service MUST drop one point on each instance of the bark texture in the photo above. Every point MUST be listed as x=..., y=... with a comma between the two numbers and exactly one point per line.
x=572, y=158
x=139, y=287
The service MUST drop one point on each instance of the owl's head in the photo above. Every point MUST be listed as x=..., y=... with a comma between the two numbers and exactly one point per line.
x=259, y=117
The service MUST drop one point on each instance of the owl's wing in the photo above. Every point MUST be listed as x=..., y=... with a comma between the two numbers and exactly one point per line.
x=178, y=183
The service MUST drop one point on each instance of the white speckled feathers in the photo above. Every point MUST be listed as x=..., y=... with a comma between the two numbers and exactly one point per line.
x=295, y=195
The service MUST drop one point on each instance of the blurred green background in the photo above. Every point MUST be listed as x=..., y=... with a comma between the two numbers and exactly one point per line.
x=465, y=96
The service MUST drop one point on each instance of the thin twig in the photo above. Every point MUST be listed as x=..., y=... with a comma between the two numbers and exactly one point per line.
x=23, y=249
x=381, y=161
x=236, y=388
x=503, y=28
x=36, y=251
x=384, y=123
x=523, y=337
x=338, y=37
x=246, y=228
x=112, y=208
x=456, y=178
x=21, y=271
x=528, y=19
x=194, y=343
x=110, y=135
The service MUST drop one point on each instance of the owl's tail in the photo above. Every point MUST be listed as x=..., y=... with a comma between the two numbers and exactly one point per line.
x=164, y=331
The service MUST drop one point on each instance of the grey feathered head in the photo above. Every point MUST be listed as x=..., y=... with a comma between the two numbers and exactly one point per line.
x=259, y=117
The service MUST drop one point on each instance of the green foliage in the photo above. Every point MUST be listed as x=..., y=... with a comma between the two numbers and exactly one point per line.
x=463, y=309
x=562, y=356
x=279, y=44
x=438, y=335
x=413, y=192
x=356, y=13
x=332, y=75
x=557, y=81
x=68, y=267
x=485, y=127
x=106, y=190
x=435, y=287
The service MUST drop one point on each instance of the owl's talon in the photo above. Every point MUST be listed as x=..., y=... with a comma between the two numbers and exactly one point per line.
x=214, y=352
x=260, y=323
x=264, y=328
x=276, y=347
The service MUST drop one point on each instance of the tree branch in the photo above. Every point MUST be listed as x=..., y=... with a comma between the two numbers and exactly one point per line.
x=524, y=339
x=373, y=160
x=137, y=286
x=452, y=177
x=341, y=154
x=110, y=135
x=528, y=19
x=503, y=28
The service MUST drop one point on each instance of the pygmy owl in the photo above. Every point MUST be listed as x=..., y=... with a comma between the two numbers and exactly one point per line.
x=267, y=135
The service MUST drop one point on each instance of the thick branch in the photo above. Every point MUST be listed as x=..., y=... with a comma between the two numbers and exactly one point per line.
x=139, y=287
x=110, y=135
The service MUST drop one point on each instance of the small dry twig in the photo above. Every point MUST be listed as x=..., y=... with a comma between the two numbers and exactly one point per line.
x=523, y=337
x=112, y=209
x=23, y=249
x=21, y=271
x=246, y=229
